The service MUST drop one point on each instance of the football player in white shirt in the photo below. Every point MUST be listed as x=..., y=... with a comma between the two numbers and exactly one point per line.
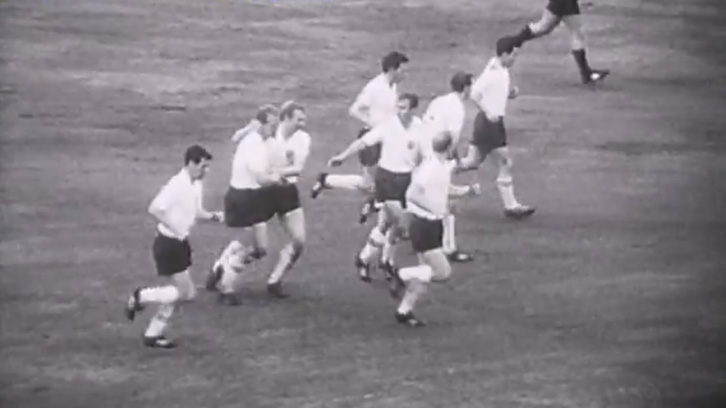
x=289, y=151
x=490, y=93
x=427, y=199
x=400, y=139
x=247, y=203
x=176, y=207
x=446, y=113
x=375, y=104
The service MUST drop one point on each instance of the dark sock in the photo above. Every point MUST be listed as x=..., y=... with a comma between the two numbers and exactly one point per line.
x=525, y=35
x=322, y=178
x=581, y=61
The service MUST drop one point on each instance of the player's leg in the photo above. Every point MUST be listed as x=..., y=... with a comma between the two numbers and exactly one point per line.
x=535, y=29
x=449, y=239
x=574, y=25
x=325, y=181
x=411, y=282
x=397, y=217
x=154, y=334
x=373, y=246
x=173, y=259
x=293, y=223
x=471, y=161
x=505, y=184
x=371, y=206
x=479, y=146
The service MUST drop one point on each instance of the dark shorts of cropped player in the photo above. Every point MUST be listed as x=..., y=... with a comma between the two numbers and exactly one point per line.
x=488, y=135
x=171, y=255
x=370, y=155
x=247, y=207
x=425, y=234
x=563, y=8
x=284, y=198
x=390, y=186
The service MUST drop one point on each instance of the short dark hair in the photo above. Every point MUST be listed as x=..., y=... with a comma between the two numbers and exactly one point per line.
x=412, y=99
x=195, y=154
x=506, y=45
x=288, y=108
x=461, y=80
x=393, y=60
x=264, y=112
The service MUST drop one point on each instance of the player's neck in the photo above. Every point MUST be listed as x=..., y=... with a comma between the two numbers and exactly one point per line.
x=389, y=78
x=188, y=172
x=287, y=131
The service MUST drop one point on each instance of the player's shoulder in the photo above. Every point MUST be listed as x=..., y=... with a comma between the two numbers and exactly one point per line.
x=302, y=137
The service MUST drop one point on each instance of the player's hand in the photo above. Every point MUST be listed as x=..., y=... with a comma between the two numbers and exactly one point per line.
x=513, y=92
x=474, y=189
x=217, y=216
x=335, y=161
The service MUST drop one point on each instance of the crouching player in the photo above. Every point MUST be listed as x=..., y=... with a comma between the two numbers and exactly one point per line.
x=428, y=201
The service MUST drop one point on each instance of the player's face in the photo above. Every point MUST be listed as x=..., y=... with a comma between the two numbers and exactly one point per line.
x=508, y=59
x=404, y=108
x=269, y=127
x=399, y=74
x=299, y=119
x=199, y=170
x=467, y=92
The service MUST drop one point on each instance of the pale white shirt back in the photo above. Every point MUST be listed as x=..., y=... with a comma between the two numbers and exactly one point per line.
x=491, y=88
x=181, y=199
x=289, y=151
x=400, y=146
x=381, y=97
x=435, y=176
x=250, y=158
x=446, y=113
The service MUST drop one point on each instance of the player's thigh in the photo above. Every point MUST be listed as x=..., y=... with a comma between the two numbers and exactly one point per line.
x=573, y=23
x=184, y=284
x=260, y=235
x=439, y=263
x=294, y=224
x=547, y=22
x=503, y=156
x=394, y=211
x=474, y=155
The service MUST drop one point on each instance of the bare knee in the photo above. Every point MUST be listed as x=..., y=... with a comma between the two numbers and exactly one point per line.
x=545, y=24
x=441, y=273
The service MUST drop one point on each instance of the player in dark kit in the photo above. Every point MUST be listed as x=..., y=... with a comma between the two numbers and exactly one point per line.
x=568, y=12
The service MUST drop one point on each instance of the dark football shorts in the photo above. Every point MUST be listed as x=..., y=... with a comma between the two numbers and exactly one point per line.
x=390, y=186
x=488, y=135
x=563, y=8
x=171, y=255
x=425, y=234
x=247, y=207
x=284, y=198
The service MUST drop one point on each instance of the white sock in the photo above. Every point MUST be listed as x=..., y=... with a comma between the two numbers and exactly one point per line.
x=424, y=273
x=414, y=290
x=159, y=294
x=506, y=191
x=160, y=321
x=228, y=281
x=449, y=241
x=283, y=264
x=376, y=241
x=344, y=181
x=388, y=254
x=233, y=247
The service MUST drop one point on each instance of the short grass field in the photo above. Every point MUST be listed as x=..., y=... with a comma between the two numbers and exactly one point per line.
x=612, y=295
